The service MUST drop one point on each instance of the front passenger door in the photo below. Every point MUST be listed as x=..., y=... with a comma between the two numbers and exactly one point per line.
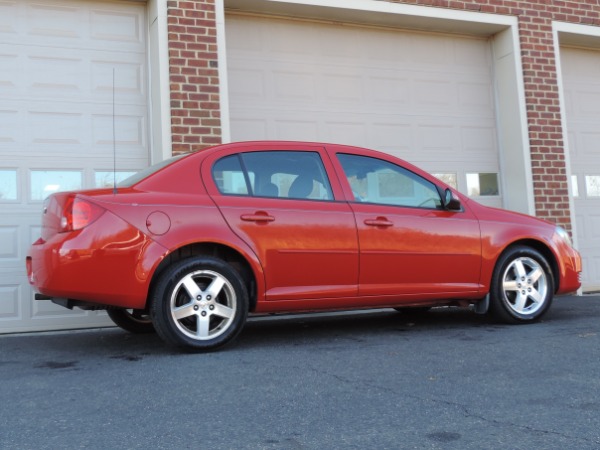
x=409, y=244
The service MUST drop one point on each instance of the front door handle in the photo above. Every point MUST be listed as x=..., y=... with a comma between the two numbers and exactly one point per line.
x=258, y=216
x=378, y=222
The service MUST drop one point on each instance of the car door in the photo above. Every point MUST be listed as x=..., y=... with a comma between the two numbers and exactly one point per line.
x=409, y=244
x=282, y=203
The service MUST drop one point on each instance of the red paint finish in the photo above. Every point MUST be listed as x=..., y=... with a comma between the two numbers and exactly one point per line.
x=316, y=250
x=421, y=251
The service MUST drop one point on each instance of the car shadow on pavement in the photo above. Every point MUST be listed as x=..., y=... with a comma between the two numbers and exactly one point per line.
x=568, y=313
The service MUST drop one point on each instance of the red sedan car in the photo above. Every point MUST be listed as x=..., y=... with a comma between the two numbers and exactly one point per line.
x=191, y=246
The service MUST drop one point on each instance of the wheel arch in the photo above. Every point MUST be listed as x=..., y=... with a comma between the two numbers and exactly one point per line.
x=541, y=248
x=228, y=254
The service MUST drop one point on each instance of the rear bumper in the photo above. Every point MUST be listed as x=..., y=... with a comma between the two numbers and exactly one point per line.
x=108, y=263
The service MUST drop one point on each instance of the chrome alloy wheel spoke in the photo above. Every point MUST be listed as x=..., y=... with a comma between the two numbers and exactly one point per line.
x=183, y=311
x=203, y=327
x=223, y=311
x=200, y=297
x=524, y=285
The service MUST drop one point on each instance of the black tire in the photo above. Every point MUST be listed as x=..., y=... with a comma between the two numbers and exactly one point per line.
x=522, y=286
x=199, y=303
x=133, y=320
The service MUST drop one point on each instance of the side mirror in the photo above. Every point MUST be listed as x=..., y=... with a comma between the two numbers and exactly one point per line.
x=451, y=202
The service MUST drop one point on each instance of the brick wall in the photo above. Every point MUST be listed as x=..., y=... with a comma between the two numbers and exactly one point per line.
x=194, y=78
x=195, y=98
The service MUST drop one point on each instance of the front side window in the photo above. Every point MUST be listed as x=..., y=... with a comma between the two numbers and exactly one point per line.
x=377, y=181
x=276, y=174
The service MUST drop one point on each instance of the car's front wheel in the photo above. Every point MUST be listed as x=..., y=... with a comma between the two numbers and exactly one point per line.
x=133, y=320
x=522, y=286
x=199, y=303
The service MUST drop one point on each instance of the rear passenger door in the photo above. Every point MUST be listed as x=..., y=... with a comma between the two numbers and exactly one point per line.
x=282, y=203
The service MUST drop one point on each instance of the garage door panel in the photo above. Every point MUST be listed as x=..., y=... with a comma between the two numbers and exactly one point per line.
x=56, y=128
x=9, y=68
x=430, y=50
x=9, y=245
x=588, y=140
x=343, y=88
x=129, y=80
x=594, y=220
x=11, y=295
x=130, y=132
x=117, y=26
x=393, y=136
x=389, y=92
x=478, y=141
x=347, y=132
x=62, y=132
x=587, y=102
x=8, y=14
x=56, y=87
x=249, y=128
x=581, y=75
x=294, y=86
x=476, y=98
x=246, y=84
x=296, y=130
x=424, y=97
x=54, y=20
x=380, y=50
x=9, y=120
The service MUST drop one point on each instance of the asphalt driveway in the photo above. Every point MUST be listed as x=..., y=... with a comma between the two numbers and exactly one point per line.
x=379, y=379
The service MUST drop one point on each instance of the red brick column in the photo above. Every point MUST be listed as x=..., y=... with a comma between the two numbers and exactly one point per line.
x=194, y=77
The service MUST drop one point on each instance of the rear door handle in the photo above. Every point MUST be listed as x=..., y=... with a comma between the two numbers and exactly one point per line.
x=258, y=216
x=378, y=222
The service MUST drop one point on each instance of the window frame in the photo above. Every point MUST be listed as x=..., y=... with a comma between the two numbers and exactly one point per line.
x=325, y=180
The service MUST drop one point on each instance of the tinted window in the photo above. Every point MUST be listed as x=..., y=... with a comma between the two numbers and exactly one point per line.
x=229, y=176
x=278, y=174
x=377, y=181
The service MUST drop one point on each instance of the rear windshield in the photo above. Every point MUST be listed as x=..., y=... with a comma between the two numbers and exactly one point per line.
x=139, y=176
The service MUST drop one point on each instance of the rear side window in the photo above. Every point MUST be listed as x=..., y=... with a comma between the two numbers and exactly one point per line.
x=229, y=176
x=275, y=174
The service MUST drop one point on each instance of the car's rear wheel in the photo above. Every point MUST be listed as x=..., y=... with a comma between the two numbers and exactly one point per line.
x=199, y=303
x=132, y=320
x=522, y=286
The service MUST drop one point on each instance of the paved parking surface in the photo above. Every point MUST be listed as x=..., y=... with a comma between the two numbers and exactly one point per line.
x=379, y=379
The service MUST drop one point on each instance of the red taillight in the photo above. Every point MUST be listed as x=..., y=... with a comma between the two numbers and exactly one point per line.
x=78, y=213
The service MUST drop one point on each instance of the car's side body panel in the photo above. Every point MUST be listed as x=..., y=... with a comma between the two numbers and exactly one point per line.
x=418, y=251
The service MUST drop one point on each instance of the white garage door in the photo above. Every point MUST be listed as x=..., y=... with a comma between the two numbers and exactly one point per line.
x=581, y=76
x=427, y=98
x=57, y=60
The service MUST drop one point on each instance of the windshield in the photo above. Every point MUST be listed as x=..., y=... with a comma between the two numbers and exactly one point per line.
x=139, y=176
